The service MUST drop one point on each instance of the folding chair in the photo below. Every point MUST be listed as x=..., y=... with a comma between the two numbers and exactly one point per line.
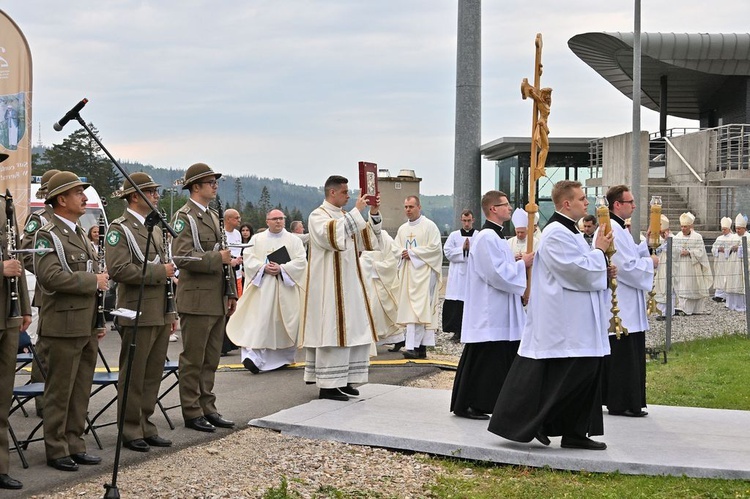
x=21, y=396
x=23, y=360
x=101, y=381
x=171, y=368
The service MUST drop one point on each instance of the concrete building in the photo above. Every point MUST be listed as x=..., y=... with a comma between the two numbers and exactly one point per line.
x=393, y=191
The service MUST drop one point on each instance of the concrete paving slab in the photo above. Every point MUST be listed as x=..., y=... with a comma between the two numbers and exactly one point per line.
x=703, y=443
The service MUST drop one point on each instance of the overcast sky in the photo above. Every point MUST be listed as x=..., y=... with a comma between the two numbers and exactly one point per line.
x=300, y=89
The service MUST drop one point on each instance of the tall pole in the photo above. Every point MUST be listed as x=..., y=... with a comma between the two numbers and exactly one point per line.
x=635, y=188
x=467, y=168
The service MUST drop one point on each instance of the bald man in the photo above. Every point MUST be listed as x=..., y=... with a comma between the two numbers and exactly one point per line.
x=232, y=221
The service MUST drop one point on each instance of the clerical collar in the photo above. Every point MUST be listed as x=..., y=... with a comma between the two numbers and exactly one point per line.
x=203, y=208
x=329, y=206
x=566, y=221
x=278, y=234
x=489, y=224
x=137, y=216
x=617, y=219
x=468, y=233
x=416, y=222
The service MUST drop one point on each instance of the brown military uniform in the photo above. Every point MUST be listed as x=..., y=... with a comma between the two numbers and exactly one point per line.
x=124, y=265
x=68, y=312
x=9, y=329
x=202, y=306
x=34, y=222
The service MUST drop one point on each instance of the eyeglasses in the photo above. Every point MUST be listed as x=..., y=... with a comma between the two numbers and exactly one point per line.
x=500, y=204
x=632, y=201
x=275, y=219
x=152, y=191
x=212, y=183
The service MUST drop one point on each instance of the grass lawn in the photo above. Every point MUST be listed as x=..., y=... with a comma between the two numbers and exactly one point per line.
x=713, y=373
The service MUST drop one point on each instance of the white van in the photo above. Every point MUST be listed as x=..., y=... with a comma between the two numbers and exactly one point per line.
x=94, y=206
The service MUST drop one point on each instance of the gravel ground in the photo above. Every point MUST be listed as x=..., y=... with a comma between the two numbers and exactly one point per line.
x=316, y=468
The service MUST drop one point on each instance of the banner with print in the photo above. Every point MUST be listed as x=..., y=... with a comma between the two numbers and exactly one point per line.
x=15, y=114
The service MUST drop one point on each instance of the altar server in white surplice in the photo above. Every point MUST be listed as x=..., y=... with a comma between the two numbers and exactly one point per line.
x=266, y=322
x=420, y=274
x=736, y=279
x=336, y=325
x=624, y=382
x=692, y=273
x=380, y=271
x=457, y=249
x=494, y=318
x=554, y=385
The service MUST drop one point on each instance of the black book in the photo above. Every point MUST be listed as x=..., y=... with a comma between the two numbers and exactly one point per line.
x=280, y=256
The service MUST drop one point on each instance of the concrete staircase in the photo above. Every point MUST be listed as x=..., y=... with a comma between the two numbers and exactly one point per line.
x=673, y=205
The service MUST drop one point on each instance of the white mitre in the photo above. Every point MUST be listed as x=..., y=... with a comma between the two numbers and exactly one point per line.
x=726, y=223
x=740, y=220
x=520, y=218
x=664, y=223
x=687, y=219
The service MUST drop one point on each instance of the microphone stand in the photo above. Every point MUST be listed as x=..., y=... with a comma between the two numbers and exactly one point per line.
x=153, y=218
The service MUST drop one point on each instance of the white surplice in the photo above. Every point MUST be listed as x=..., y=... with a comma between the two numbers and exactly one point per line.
x=692, y=272
x=494, y=285
x=380, y=268
x=454, y=252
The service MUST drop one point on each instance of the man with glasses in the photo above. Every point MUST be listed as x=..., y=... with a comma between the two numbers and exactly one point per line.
x=204, y=298
x=125, y=254
x=266, y=322
x=420, y=273
x=624, y=380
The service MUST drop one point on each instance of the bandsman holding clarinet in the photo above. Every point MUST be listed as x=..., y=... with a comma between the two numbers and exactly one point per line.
x=206, y=294
x=125, y=254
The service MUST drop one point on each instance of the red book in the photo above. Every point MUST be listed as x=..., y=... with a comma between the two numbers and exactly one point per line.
x=368, y=180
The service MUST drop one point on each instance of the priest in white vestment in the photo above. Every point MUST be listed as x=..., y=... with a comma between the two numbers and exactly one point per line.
x=722, y=249
x=736, y=281
x=494, y=317
x=337, y=328
x=266, y=322
x=692, y=272
x=624, y=381
x=519, y=243
x=380, y=268
x=660, y=280
x=554, y=385
x=420, y=274
x=457, y=249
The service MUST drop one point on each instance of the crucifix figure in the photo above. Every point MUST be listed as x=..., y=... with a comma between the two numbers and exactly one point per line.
x=543, y=101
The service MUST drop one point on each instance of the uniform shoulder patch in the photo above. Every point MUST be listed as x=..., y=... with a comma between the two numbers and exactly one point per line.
x=113, y=237
x=32, y=226
x=179, y=225
x=42, y=243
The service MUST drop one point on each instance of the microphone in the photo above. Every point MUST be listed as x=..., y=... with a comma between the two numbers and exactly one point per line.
x=70, y=115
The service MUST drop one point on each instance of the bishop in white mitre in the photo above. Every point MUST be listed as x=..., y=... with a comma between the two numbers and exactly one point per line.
x=692, y=272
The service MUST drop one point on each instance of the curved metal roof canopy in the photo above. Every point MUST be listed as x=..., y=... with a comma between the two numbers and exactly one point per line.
x=697, y=66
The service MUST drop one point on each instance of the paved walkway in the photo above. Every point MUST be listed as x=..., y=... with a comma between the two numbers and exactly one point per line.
x=705, y=443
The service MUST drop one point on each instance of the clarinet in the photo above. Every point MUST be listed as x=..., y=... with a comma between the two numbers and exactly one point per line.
x=169, y=306
x=101, y=293
x=222, y=246
x=10, y=232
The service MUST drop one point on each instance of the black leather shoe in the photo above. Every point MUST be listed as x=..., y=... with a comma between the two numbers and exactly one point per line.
x=216, y=420
x=542, y=438
x=350, y=390
x=628, y=413
x=250, y=366
x=84, y=458
x=397, y=346
x=138, y=445
x=410, y=354
x=200, y=424
x=575, y=442
x=157, y=441
x=333, y=394
x=7, y=482
x=63, y=464
x=661, y=318
x=471, y=413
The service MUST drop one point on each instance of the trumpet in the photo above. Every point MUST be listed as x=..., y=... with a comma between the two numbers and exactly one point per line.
x=10, y=231
x=169, y=306
x=101, y=294
x=602, y=214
